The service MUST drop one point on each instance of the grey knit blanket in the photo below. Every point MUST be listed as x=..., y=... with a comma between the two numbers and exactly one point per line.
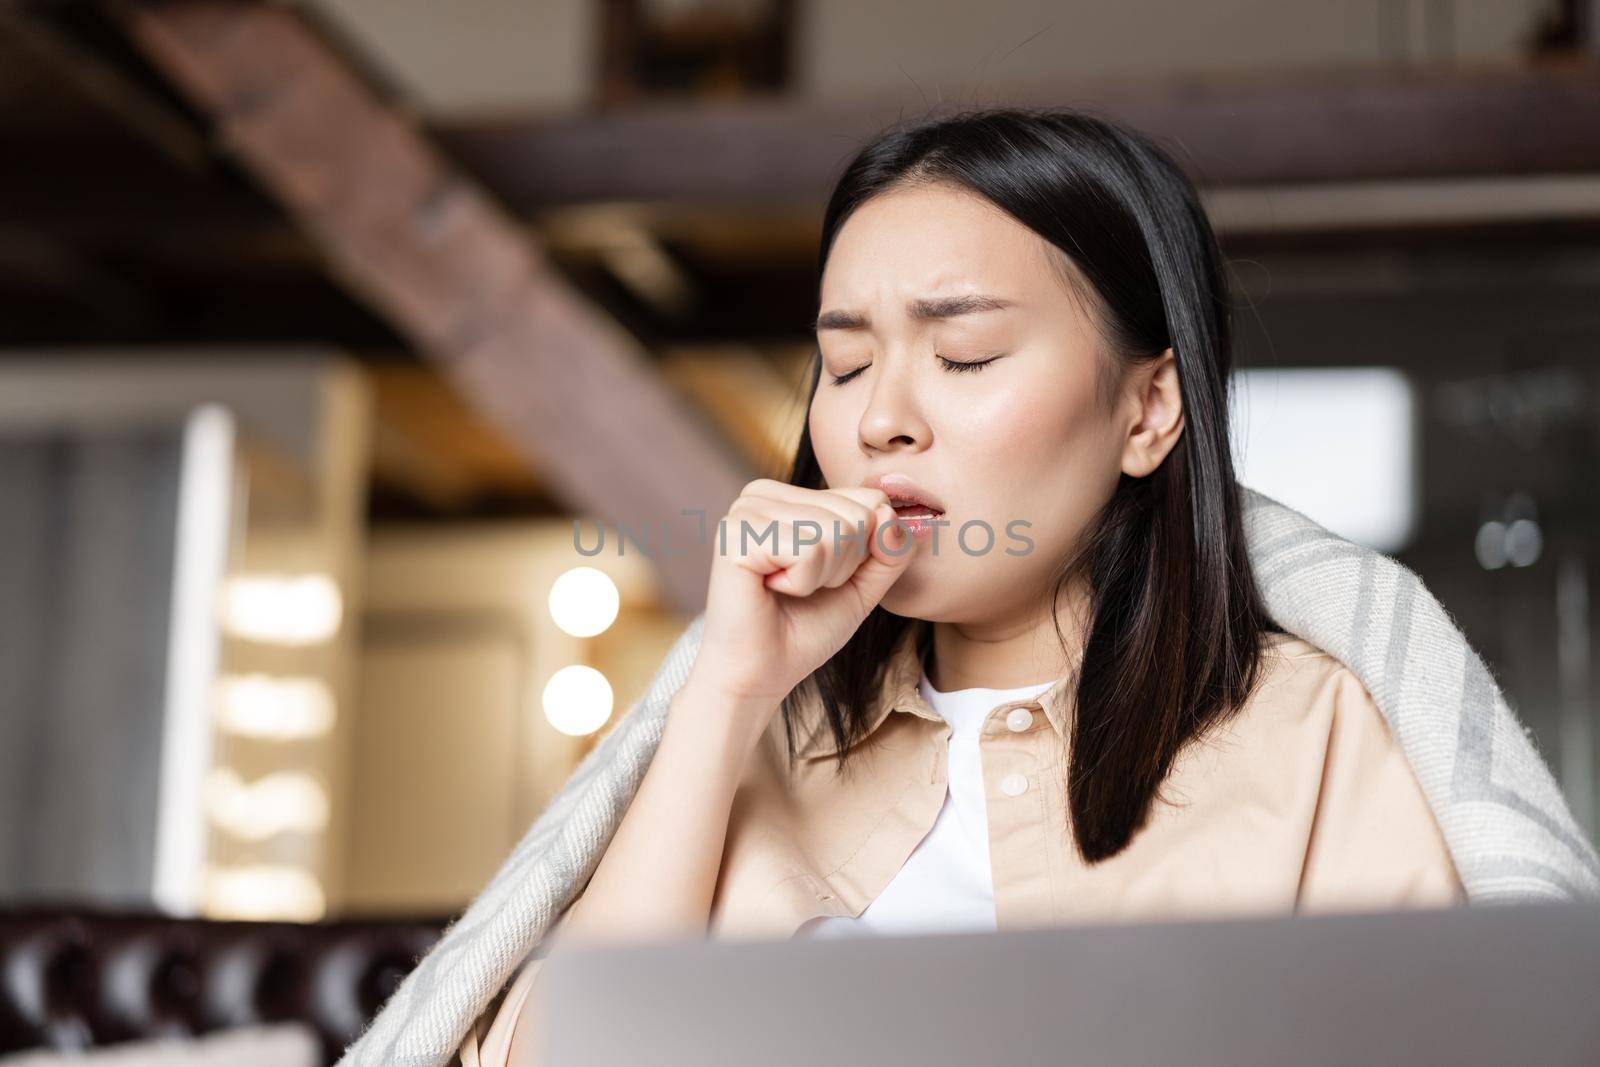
x=1508, y=827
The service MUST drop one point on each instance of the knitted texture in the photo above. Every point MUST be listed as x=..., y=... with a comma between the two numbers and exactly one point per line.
x=1504, y=819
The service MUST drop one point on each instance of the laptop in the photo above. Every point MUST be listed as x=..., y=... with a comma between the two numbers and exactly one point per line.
x=1502, y=984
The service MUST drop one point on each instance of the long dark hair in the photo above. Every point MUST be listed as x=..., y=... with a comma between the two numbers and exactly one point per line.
x=1164, y=562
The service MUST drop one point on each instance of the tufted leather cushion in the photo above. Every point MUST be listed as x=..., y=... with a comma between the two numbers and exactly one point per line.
x=71, y=979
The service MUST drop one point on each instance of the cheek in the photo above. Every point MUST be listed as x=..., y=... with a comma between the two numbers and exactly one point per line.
x=833, y=431
x=1036, y=452
x=1035, y=426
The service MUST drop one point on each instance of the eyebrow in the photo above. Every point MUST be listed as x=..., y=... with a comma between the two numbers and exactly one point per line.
x=944, y=307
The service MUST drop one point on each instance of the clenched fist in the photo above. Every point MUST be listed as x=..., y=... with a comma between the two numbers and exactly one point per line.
x=794, y=574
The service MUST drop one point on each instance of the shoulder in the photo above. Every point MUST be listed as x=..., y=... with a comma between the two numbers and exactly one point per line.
x=1309, y=710
x=1314, y=701
x=1303, y=696
x=1373, y=838
x=1305, y=692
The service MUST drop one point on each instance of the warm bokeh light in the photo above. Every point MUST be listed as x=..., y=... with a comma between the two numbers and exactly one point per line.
x=281, y=802
x=264, y=891
x=584, y=601
x=274, y=708
x=285, y=609
x=577, y=700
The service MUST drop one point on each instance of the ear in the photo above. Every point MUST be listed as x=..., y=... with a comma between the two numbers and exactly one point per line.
x=1156, y=405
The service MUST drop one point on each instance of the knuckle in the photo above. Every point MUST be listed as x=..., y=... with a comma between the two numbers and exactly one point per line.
x=865, y=496
x=756, y=486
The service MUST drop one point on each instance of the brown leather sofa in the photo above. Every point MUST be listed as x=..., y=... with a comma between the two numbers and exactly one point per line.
x=74, y=978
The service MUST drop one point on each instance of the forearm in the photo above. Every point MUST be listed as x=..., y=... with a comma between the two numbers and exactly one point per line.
x=672, y=836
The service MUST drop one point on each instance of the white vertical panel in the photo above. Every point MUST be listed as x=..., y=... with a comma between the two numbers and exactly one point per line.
x=205, y=496
x=1337, y=444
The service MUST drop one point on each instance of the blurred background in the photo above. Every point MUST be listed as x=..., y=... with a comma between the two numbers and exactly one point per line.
x=322, y=324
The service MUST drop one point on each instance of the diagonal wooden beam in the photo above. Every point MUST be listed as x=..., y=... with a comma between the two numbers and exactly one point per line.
x=429, y=250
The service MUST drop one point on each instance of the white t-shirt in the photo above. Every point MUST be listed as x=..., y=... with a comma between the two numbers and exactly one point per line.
x=946, y=884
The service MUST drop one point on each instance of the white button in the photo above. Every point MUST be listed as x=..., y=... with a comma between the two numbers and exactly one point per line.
x=1014, y=785
x=1019, y=719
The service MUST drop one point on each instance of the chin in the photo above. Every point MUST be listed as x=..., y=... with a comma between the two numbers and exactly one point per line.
x=921, y=596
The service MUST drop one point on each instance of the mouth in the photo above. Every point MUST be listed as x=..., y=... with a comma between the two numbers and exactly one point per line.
x=913, y=509
x=917, y=508
x=919, y=521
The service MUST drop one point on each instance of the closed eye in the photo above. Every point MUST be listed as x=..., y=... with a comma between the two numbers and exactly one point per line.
x=957, y=366
x=960, y=366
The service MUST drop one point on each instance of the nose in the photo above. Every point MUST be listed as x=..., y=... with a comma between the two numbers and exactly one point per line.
x=893, y=419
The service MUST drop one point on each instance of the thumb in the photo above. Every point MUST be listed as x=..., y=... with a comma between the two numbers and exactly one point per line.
x=892, y=550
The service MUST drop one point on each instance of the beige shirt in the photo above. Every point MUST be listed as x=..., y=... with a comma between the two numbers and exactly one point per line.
x=1302, y=802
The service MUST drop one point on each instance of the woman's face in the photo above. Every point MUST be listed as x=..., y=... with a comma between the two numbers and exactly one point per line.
x=1021, y=443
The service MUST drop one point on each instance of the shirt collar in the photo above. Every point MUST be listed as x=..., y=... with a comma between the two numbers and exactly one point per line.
x=901, y=692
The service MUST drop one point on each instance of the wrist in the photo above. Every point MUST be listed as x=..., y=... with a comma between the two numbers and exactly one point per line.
x=742, y=694
x=740, y=713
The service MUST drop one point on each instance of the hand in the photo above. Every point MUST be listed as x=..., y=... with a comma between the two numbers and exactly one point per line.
x=777, y=612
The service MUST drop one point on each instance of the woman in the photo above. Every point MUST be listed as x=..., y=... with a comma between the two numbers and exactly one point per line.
x=1020, y=401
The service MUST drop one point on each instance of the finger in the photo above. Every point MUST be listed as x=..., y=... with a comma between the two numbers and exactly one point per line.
x=862, y=509
x=811, y=533
x=780, y=541
x=752, y=537
x=867, y=498
x=860, y=512
x=855, y=505
x=892, y=553
x=855, y=546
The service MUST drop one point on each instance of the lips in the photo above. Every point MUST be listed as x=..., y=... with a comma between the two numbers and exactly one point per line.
x=908, y=499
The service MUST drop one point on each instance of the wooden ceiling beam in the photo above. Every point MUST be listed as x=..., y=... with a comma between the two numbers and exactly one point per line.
x=427, y=248
x=1229, y=129
x=1235, y=131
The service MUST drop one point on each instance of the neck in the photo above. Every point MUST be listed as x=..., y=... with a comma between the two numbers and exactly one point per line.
x=1011, y=652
